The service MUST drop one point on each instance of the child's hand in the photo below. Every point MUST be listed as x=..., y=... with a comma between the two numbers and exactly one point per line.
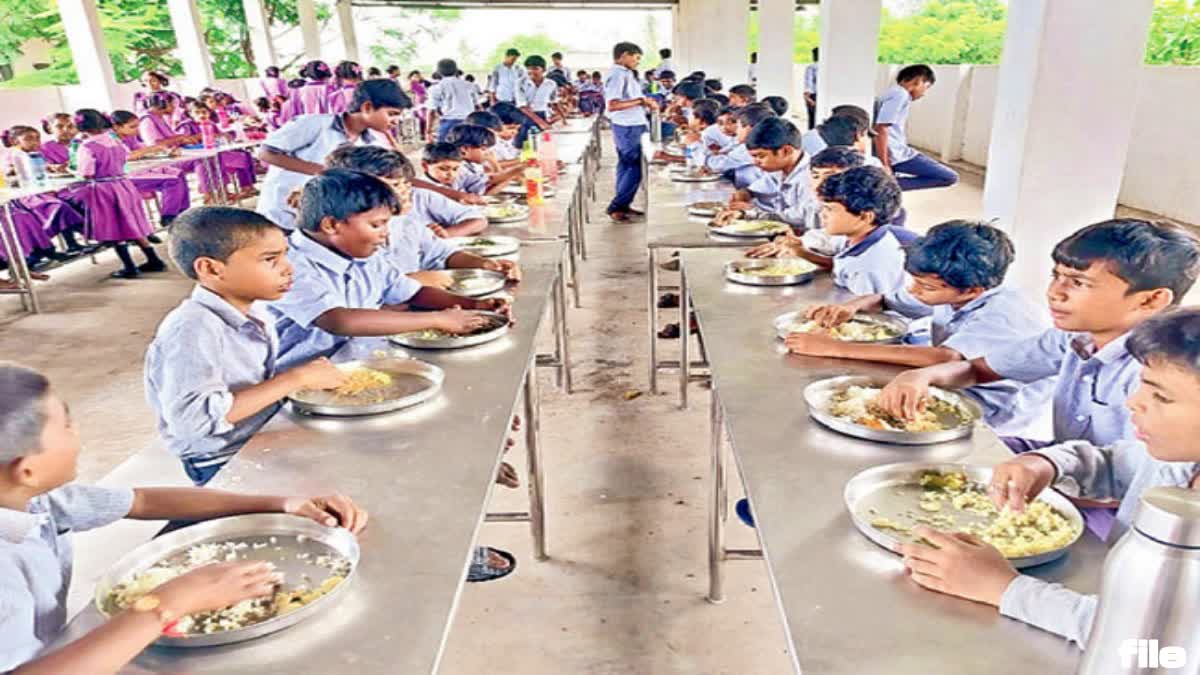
x=905, y=396
x=726, y=215
x=438, y=231
x=509, y=268
x=473, y=199
x=1017, y=481
x=812, y=344
x=217, y=586
x=320, y=374
x=330, y=511
x=500, y=305
x=456, y=320
x=960, y=565
x=830, y=316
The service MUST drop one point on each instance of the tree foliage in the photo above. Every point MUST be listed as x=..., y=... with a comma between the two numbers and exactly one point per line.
x=945, y=31
x=1174, y=34
x=399, y=46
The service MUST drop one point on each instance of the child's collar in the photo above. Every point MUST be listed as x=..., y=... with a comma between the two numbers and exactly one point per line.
x=17, y=524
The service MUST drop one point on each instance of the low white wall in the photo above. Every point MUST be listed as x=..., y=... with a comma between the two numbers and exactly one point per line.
x=1161, y=171
x=981, y=106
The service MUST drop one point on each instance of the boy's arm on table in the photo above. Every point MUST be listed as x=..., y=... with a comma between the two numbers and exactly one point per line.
x=430, y=297
x=464, y=260
x=390, y=320
x=466, y=228
x=316, y=374
x=915, y=356
x=456, y=195
x=497, y=181
x=290, y=163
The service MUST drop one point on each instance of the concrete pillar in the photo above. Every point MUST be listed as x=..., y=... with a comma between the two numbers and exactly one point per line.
x=346, y=23
x=776, y=72
x=260, y=34
x=678, y=41
x=1057, y=156
x=81, y=23
x=189, y=42
x=849, y=47
x=726, y=23
x=307, y=9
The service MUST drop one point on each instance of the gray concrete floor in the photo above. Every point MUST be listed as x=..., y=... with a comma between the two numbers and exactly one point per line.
x=626, y=479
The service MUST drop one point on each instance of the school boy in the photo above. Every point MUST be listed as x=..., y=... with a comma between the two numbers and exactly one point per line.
x=626, y=108
x=511, y=119
x=536, y=95
x=777, y=104
x=451, y=99
x=296, y=151
x=810, y=87
x=40, y=506
x=343, y=286
x=557, y=67
x=1166, y=420
x=956, y=278
x=913, y=170
x=474, y=144
x=506, y=77
x=736, y=162
x=742, y=95
x=704, y=117
x=783, y=191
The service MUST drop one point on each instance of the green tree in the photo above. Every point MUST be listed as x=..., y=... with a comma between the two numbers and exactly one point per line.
x=806, y=34
x=526, y=43
x=399, y=46
x=1174, y=34
x=945, y=31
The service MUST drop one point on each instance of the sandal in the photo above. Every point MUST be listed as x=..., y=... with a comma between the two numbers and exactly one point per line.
x=668, y=301
x=481, y=570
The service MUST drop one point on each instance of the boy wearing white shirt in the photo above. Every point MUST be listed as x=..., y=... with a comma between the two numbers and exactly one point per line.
x=913, y=170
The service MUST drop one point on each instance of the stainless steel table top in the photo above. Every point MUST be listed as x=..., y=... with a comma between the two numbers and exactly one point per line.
x=668, y=224
x=846, y=604
x=424, y=473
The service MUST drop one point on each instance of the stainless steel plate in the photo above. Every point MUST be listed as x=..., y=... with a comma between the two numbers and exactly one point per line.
x=496, y=329
x=739, y=271
x=486, y=245
x=413, y=382
x=705, y=209
x=684, y=177
x=278, y=538
x=892, y=490
x=520, y=212
x=518, y=190
x=751, y=229
x=783, y=324
x=475, y=283
x=817, y=395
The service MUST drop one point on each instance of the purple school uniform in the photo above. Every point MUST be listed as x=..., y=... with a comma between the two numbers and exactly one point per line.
x=340, y=98
x=234, y=162
x=114, y=206
x=168, y=181
x=312, y=99
x=140, y=106
x=55, y=152
x=273, y=87
x=70, y=215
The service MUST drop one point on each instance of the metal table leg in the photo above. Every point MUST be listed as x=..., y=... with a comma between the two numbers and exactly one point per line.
x=573, y=261
x=716, y=504
x=564, y=333
x=652, y=316
x=537, y=491
x=16, y=262
x=685, y=325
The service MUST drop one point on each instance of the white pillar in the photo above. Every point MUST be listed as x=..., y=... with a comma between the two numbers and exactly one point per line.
x=849, y=47
x=726, y=23
x=678, y=40
x=307, y=10
x=189, y=42
x=260, y=34
x=1057, y=156
x=81, y=23
x=346, y=23
x=776, y=72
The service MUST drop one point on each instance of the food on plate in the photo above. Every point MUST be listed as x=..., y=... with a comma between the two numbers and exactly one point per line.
x=859, y=404
x=854, y=330
x=501, y=211
x=363, y=380
x=432, y=334
x=755, y=227
x=779, y=269
x=472, y=284
x=480, y=242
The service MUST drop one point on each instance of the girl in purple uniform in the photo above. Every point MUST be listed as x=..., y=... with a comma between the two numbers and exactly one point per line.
x=155, y=83
x=28, y=213
x=114, y=206
x=237, y=163
x=347, y=76
x=57, y=152
x=49, y=212
x=313, y=97
x=274, y=87
x=170, y=182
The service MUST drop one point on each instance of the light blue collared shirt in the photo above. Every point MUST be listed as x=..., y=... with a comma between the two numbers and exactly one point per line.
x=712, y=135
x=36, y=560
x=738, y=161
x=891, y=108
x=310, y=138
x=203, y=351
x=472, y=177
x=810, y=79
x=621, y=84
x=505, y=80
x=453, y=98
x=1089, y=399
x=412, y=246
x=1123, y=471
x=788, y=198
x=325, y=279
x=873, y=265
x=537, y=96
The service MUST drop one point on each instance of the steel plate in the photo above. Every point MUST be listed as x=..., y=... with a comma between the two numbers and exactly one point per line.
x=683, y=177
x=293, y=536
x=887, y=490
x=498, y=246
x=518, y=190
x=414, y=382
x=736, y=229
x=475, y=283
x=784, y=321
x=522, y=213
x=735, y=270
x=817, y=395
x=705, y=209
x=497, y=329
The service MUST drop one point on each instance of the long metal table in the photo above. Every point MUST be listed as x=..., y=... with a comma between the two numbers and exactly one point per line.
x=846, y=605
x=426, y=475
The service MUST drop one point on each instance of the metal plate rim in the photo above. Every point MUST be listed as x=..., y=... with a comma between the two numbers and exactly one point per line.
x=435, y=375
x=458, y=342
x=787, y=318
x=505, y=245
x=816, y=409
x=732, y=274
x=721, y=230
x=499, y=281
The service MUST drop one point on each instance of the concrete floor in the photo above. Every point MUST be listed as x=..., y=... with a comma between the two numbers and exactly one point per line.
x=626, y=479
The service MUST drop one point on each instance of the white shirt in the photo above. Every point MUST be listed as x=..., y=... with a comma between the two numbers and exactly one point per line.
x=504, y=81
x=621, y=84
x=537, y=97
x=453, y=98
x=891, y=108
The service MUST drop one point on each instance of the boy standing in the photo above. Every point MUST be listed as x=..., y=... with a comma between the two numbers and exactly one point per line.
x=211, y=372
x=451, y=99
x=505, y=78
x=664, y=61
x=626, y=109
x=810, y=87
x=913, y=170
x=535, y=95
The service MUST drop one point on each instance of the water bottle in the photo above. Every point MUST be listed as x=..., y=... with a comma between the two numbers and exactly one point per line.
x=37, y=167
x=548, y=157
x=208, y=135
x=73, y=159
x=1150, y=592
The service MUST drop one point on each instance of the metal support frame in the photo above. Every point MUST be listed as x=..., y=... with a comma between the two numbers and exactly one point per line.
x=18, y=268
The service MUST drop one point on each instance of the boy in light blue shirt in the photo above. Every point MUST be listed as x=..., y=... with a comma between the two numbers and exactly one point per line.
x=344, y=286
x=1166, y=420
x=474, y=144
x=535, y=96
x=625, y=107
x=211, y=372
x=506, y=77
x=913, y=170
x=736, y=162
x=810, y=87
x=783, y=190
x=451, y=99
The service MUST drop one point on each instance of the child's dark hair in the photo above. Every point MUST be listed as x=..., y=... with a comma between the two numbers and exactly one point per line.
x=666, y=75
x=778, y=104
x=916, y=71
x=340, y=194
x=535, y=61
x=381, y=94
x=316, y=70
x=348, y=70
x=595, y=74
x=754, y=113
x=865, y=189
x=374, y=71
x=159, y=101
x=743, y=90
x=720, y=98
x=215, y=232
x=622, y=48
x=853, y=112
x=706, y=110
x=11, y=135
x=91, y=120
x=160, y=76
x=965, y=254
x=773, y=133
x=713, y=85
x=263, y=104
x=49, y=120
x=557, y=78
x=507, y=112
x=393, y=69
x=557, y=55
x=839, y=157
x=693, y=91
x=664, y=53
x=447, y=68
x=512, y=51
x=271, y=71
x=22, y=415
x=1172, y=337
x=1143, y=254
x=296, y=83
x=371, y=159
x=471, y=136
x=840, y=130
x=441, y=152
x=120, y=117
x=485, y=119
